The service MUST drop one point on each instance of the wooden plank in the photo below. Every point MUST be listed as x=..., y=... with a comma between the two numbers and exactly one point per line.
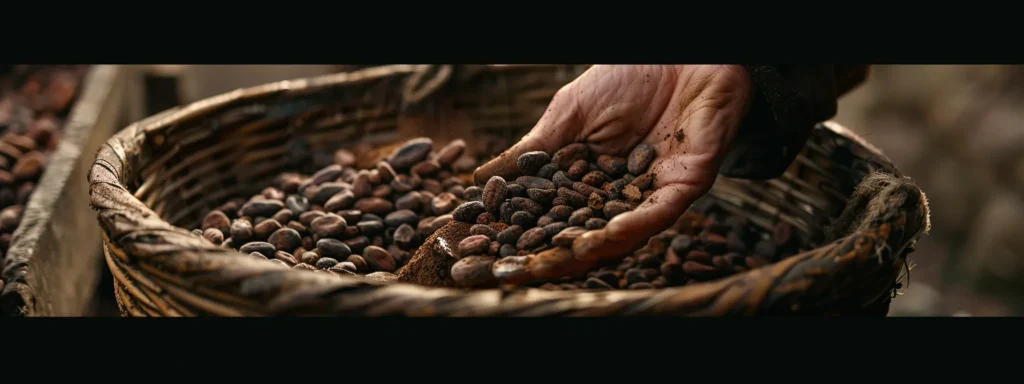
x=55, y=259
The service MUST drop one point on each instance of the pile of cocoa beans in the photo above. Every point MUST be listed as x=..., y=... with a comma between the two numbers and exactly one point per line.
x=559, y=197
x=34, y=100
x=707, y=243
x=345, y=220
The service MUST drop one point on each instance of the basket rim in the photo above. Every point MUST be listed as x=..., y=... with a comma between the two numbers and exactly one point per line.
x=111, y=161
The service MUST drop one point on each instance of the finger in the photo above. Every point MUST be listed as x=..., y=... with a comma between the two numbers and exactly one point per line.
x=549, y=265
x=556, y=128
x=631, y=230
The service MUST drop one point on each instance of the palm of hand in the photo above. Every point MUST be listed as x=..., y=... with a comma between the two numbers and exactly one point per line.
x=689, y=114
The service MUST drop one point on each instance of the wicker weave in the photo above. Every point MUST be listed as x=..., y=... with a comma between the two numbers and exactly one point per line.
x=154, y=180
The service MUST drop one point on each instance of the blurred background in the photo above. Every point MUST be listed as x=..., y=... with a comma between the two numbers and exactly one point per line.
x=957, y=130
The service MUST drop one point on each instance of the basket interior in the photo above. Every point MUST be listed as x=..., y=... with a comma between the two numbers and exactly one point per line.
x=236, y=149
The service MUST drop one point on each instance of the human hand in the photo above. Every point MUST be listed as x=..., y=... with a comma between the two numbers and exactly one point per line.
x=688, y=113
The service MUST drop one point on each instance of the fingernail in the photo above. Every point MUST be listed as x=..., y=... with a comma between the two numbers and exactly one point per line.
x=512, y=269
x=586, y=247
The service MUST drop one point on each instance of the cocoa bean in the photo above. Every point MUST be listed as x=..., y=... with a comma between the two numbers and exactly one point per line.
x=485, y=230
x=310, y=257
x=362, y=187
x=326, y=263
x=524, y=204
x=569, y=154
x=410, y=201
x=485, y=218
x=432, y=186
x=444, y=203
x=547, y=171
x=580, y=216
x=507, y=250
x=370, y=228
x=595, y=179
x=404, y=183
x=643, y=181
x=425, y=168
x=283, y=216
x=405, y=237
x=344, y=267
x=217, y=219
x=344, y=158
x=357, y=244
x=265, y=249
x=359, y=262
x=632, y=194
x=640, y=158
x=241, y=231
x=714, y=243
x=468, y=211
x=374, y=205
x=307, y=218
x=523, y=219
x=616, y=207
x=545, y=220
x=451, y=152
x=682, y=244
x=531, y=239
x=514, y=190
x=543, y=196
x=265, y=228
x=595, y=202
x=333, y=248
x=575, y=199
x=473, y=271
x=494, y=194
x=404, y=216
x=578, y=170
x=562, y=180
x=529, y=182
x=566, y=236
x=378, y=259
x=611, y=165
x=386, y=172
x=272, y=193
x=325, y=191
x=330, y=225
x=510, y=234
x=458, y=191
x=410, y=153
x=530, y=163
x=595, y=223
x=214, y=235
x=553, y=229
x=560, y=212
x=473, y=245
x=29, y=166
x=285, y=239
x=328, y=173
x=382, y=191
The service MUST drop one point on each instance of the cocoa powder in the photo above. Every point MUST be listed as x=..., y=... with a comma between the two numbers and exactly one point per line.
x=431, y=264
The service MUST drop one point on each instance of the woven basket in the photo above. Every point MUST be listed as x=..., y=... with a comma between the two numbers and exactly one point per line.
x=154, y=180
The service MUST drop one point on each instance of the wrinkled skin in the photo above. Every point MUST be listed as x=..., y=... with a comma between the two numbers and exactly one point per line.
x=688, y=113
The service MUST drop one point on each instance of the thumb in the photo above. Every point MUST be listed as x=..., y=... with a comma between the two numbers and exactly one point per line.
x=556, y=128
